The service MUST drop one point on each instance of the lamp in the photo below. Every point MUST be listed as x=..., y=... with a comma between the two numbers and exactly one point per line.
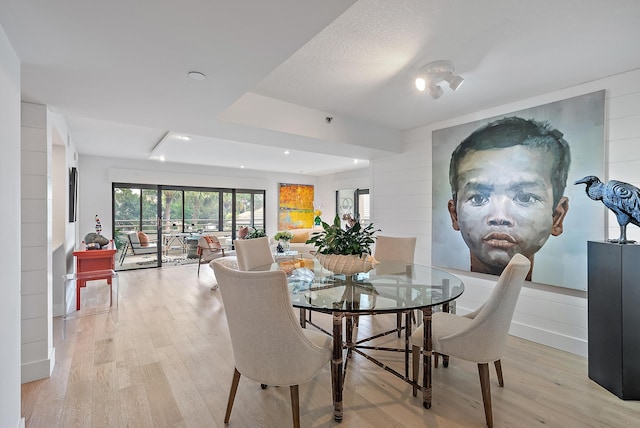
x=436, y=72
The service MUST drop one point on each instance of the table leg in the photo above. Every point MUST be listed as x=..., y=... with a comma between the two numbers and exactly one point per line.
x=349, y=334
x=445, y=358
x=407, y=335
x=79, y=284
x=426, y=357
x=303, y=318
x=336, y=367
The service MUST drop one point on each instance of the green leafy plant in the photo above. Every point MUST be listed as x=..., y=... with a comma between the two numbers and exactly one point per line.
x=283, y=235
x=256, y=233
x=355, y=240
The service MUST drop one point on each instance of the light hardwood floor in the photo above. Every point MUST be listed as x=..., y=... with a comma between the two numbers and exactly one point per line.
x=163, y=359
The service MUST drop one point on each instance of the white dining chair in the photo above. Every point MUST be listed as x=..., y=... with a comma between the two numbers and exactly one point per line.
x=395, y=249
x=252, y=253
x=479, y=336
x=269, y=346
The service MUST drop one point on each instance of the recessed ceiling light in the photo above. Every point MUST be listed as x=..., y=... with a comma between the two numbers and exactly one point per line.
x=286, y=152
x=183, y=137
x=241, y=166
x=161, y=158
x=355, y=161
x=196, y=75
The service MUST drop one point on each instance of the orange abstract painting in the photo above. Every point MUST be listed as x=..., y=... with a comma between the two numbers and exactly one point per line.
x=295, y=208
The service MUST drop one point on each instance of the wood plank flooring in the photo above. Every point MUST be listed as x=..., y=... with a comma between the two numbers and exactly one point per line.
x=164, y=359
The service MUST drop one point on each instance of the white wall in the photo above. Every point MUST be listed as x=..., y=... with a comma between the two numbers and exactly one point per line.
x=64, y=156
x=329, y=184
x=553, y=316
x=38, y=353
x=10, y=330
x=96, y=175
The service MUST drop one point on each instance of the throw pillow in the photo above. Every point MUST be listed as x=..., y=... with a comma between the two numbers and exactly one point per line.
x=300, y=236
x=243, y=232
x=213, y=242
x=144, y=239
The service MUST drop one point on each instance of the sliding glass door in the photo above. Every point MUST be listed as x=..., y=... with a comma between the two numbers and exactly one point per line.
x=135, y=209
x=173, y=217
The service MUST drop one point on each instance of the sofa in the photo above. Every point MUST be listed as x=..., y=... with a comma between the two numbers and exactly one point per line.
x=297, y=243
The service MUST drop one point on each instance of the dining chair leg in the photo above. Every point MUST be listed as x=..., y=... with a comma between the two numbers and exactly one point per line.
x=498, y=365
x=436, y=359
x=199, y=262
x=445, y=361
x=295, y=405
x=232, y=394
x=485, y=386
x=415, y=362
x=399, y=323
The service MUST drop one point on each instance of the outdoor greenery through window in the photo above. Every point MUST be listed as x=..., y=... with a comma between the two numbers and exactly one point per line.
x=182, y=209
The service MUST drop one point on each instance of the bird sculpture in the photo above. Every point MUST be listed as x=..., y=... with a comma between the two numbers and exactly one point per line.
x=621, y=198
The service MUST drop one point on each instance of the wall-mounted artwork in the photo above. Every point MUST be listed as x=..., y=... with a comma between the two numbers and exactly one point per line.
x=73, y=194
x=505, y=185
x=295, y=206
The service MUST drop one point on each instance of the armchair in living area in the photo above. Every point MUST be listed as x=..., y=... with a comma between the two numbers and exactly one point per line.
x=139, y=244
x=209, y=248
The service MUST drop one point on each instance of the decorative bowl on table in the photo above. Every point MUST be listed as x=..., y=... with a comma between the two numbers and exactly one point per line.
x=346, y=264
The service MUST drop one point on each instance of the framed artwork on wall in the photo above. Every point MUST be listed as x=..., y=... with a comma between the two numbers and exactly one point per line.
x=73, y=194
x=505, y=185
x=295, y=206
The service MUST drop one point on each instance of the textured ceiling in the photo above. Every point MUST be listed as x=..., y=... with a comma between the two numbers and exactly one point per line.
x=275, y=70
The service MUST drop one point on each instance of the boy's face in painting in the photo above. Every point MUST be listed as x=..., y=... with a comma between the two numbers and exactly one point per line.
x=505, y=205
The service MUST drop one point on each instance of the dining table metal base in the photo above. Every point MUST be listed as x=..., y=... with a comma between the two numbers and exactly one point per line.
x=348, y=346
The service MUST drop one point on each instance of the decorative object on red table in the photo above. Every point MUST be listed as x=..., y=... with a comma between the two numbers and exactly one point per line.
x=98, y=225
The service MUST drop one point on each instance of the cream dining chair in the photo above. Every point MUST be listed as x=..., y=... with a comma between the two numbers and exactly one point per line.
x=479, y=336
x=395, y=249
x=252, y=253
x=269, y=346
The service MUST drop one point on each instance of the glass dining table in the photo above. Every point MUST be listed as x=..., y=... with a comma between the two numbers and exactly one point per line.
x=390, y=288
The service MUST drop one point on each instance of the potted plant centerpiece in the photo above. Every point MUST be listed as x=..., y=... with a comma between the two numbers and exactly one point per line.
x=345, y=251
x=283, y=239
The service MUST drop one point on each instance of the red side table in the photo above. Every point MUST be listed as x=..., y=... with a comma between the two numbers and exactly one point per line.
x=91, y=261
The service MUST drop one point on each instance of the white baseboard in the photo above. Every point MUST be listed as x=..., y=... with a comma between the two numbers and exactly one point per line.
x=38, y=369
x=549, y=338
x=553, y=339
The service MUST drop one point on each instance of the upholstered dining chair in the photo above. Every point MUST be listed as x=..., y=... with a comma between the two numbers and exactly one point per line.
x=269, y=346
x=209, y=248
x=479, y=336
x=395, y=249
x=252, y=253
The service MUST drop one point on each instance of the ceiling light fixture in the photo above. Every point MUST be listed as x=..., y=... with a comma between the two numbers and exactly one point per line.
x=286, y=152
x=196, y=75
x=183, y=137
x=436, y=72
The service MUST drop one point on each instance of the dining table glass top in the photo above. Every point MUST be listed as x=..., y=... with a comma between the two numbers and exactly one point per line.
x=389, y=287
